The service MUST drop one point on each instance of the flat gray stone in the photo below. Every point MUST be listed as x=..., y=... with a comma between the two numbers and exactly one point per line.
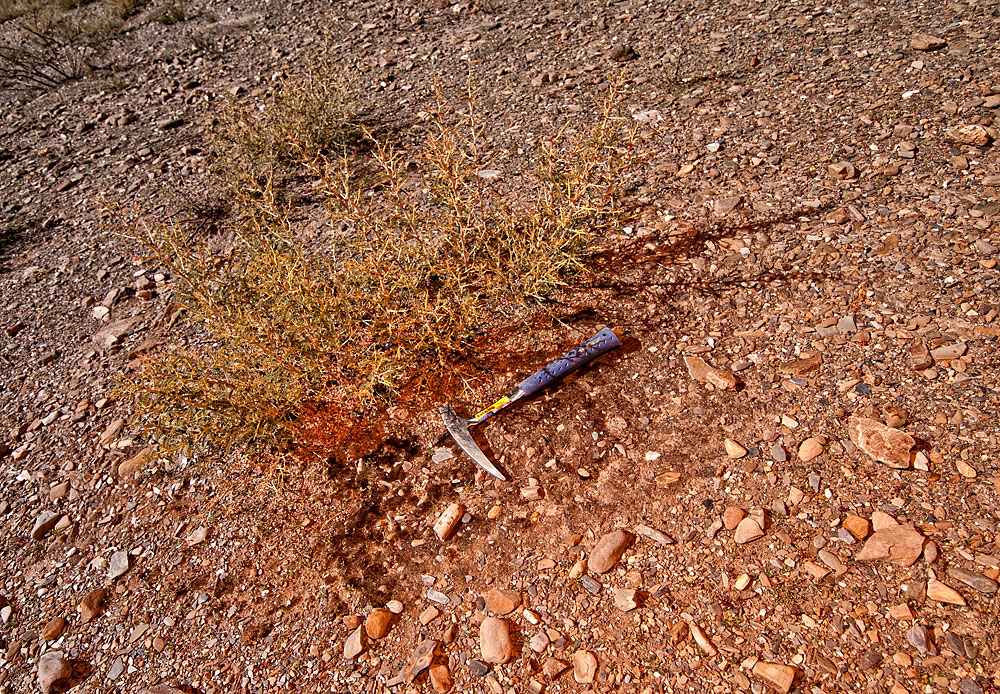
x=984, y=584
x=118, y=565
x=45, y=521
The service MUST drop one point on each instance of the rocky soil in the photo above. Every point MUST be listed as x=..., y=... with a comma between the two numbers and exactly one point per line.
x=787, y=479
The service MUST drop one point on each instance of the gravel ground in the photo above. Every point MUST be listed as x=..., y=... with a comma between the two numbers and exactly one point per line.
x=813, y=507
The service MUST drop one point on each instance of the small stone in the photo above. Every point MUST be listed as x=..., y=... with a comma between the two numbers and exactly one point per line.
x=118, y=565
x=983, y=584
x=440, y=678
x=355, y=644
x=667, y=478
x=679, y=631
x=800, y=367
x=965, y=470
x=776, y=675
x=584, y=666
x=117, y=668
x=921, y=638
x=162, y=689
x=701, y=371
x=949, y=352
x=437, y=596
x=625, y=599
x=553, y=667
x=532, y=493
x=53, y=629
x=814, y=481
x=92, y=605
x=843, y=170
x=654, y=535
x=502, y=602
x=539, y=642
x=395, y=606
x=955, y=643
x=704, y=643
x=857, y=526
x=44, y=522
x=609, y=550
x=725, y=206
x=926, y=42
x=441, y=455
x=478, y=668
x=747, y=531
x=882, y=443
x=870, y=659
x=377, y=623
x=742, y=581
x=795, y=496
x=936, y=590
x=902, y=612
x=732, y=516
x=58, y=491
x=448, y=521
x=920, y=358
x=351, y=621
x=882, y=520
x=136, y=463
x=54, y=672
x=969, y=686
x=734, y=450
x=622, y=53
x=900, y=545
x=429, y=615
x=197, y=536
x=809, y=449
x=494, y=640
x=590, y=584
x=420, y=659
x=817, y=572
x=975, y=135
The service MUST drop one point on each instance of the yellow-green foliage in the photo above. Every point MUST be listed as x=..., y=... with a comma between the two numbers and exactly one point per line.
x=311, y=112
x=418, y=260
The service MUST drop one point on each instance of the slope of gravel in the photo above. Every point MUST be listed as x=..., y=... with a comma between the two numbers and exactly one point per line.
x=820, y=219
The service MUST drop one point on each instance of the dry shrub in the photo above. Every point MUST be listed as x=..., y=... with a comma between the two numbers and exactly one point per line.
x=259, y=146
x=424, y=253
x=48, y=43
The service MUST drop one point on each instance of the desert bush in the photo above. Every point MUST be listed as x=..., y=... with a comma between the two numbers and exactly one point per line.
x=425, y=251
x=47, y=44
x=169, y=13
x=311, y=111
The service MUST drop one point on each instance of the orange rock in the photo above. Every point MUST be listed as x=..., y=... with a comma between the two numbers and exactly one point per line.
x=377, y=623
x=732, y=516
x=584, y=666
x=857, y=526
x=900, y=545
x=882, y=443
x=502, y=601
x=779, y=676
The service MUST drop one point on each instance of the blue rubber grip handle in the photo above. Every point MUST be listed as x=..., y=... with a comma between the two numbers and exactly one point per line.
x=602, y=342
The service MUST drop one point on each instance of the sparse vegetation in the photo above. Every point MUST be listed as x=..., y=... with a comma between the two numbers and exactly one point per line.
x=169, y=13
x=421, y=252
x=258, y=148
x=48, y=44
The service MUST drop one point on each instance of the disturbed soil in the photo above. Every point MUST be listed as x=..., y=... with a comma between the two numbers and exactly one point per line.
x=819, y=223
